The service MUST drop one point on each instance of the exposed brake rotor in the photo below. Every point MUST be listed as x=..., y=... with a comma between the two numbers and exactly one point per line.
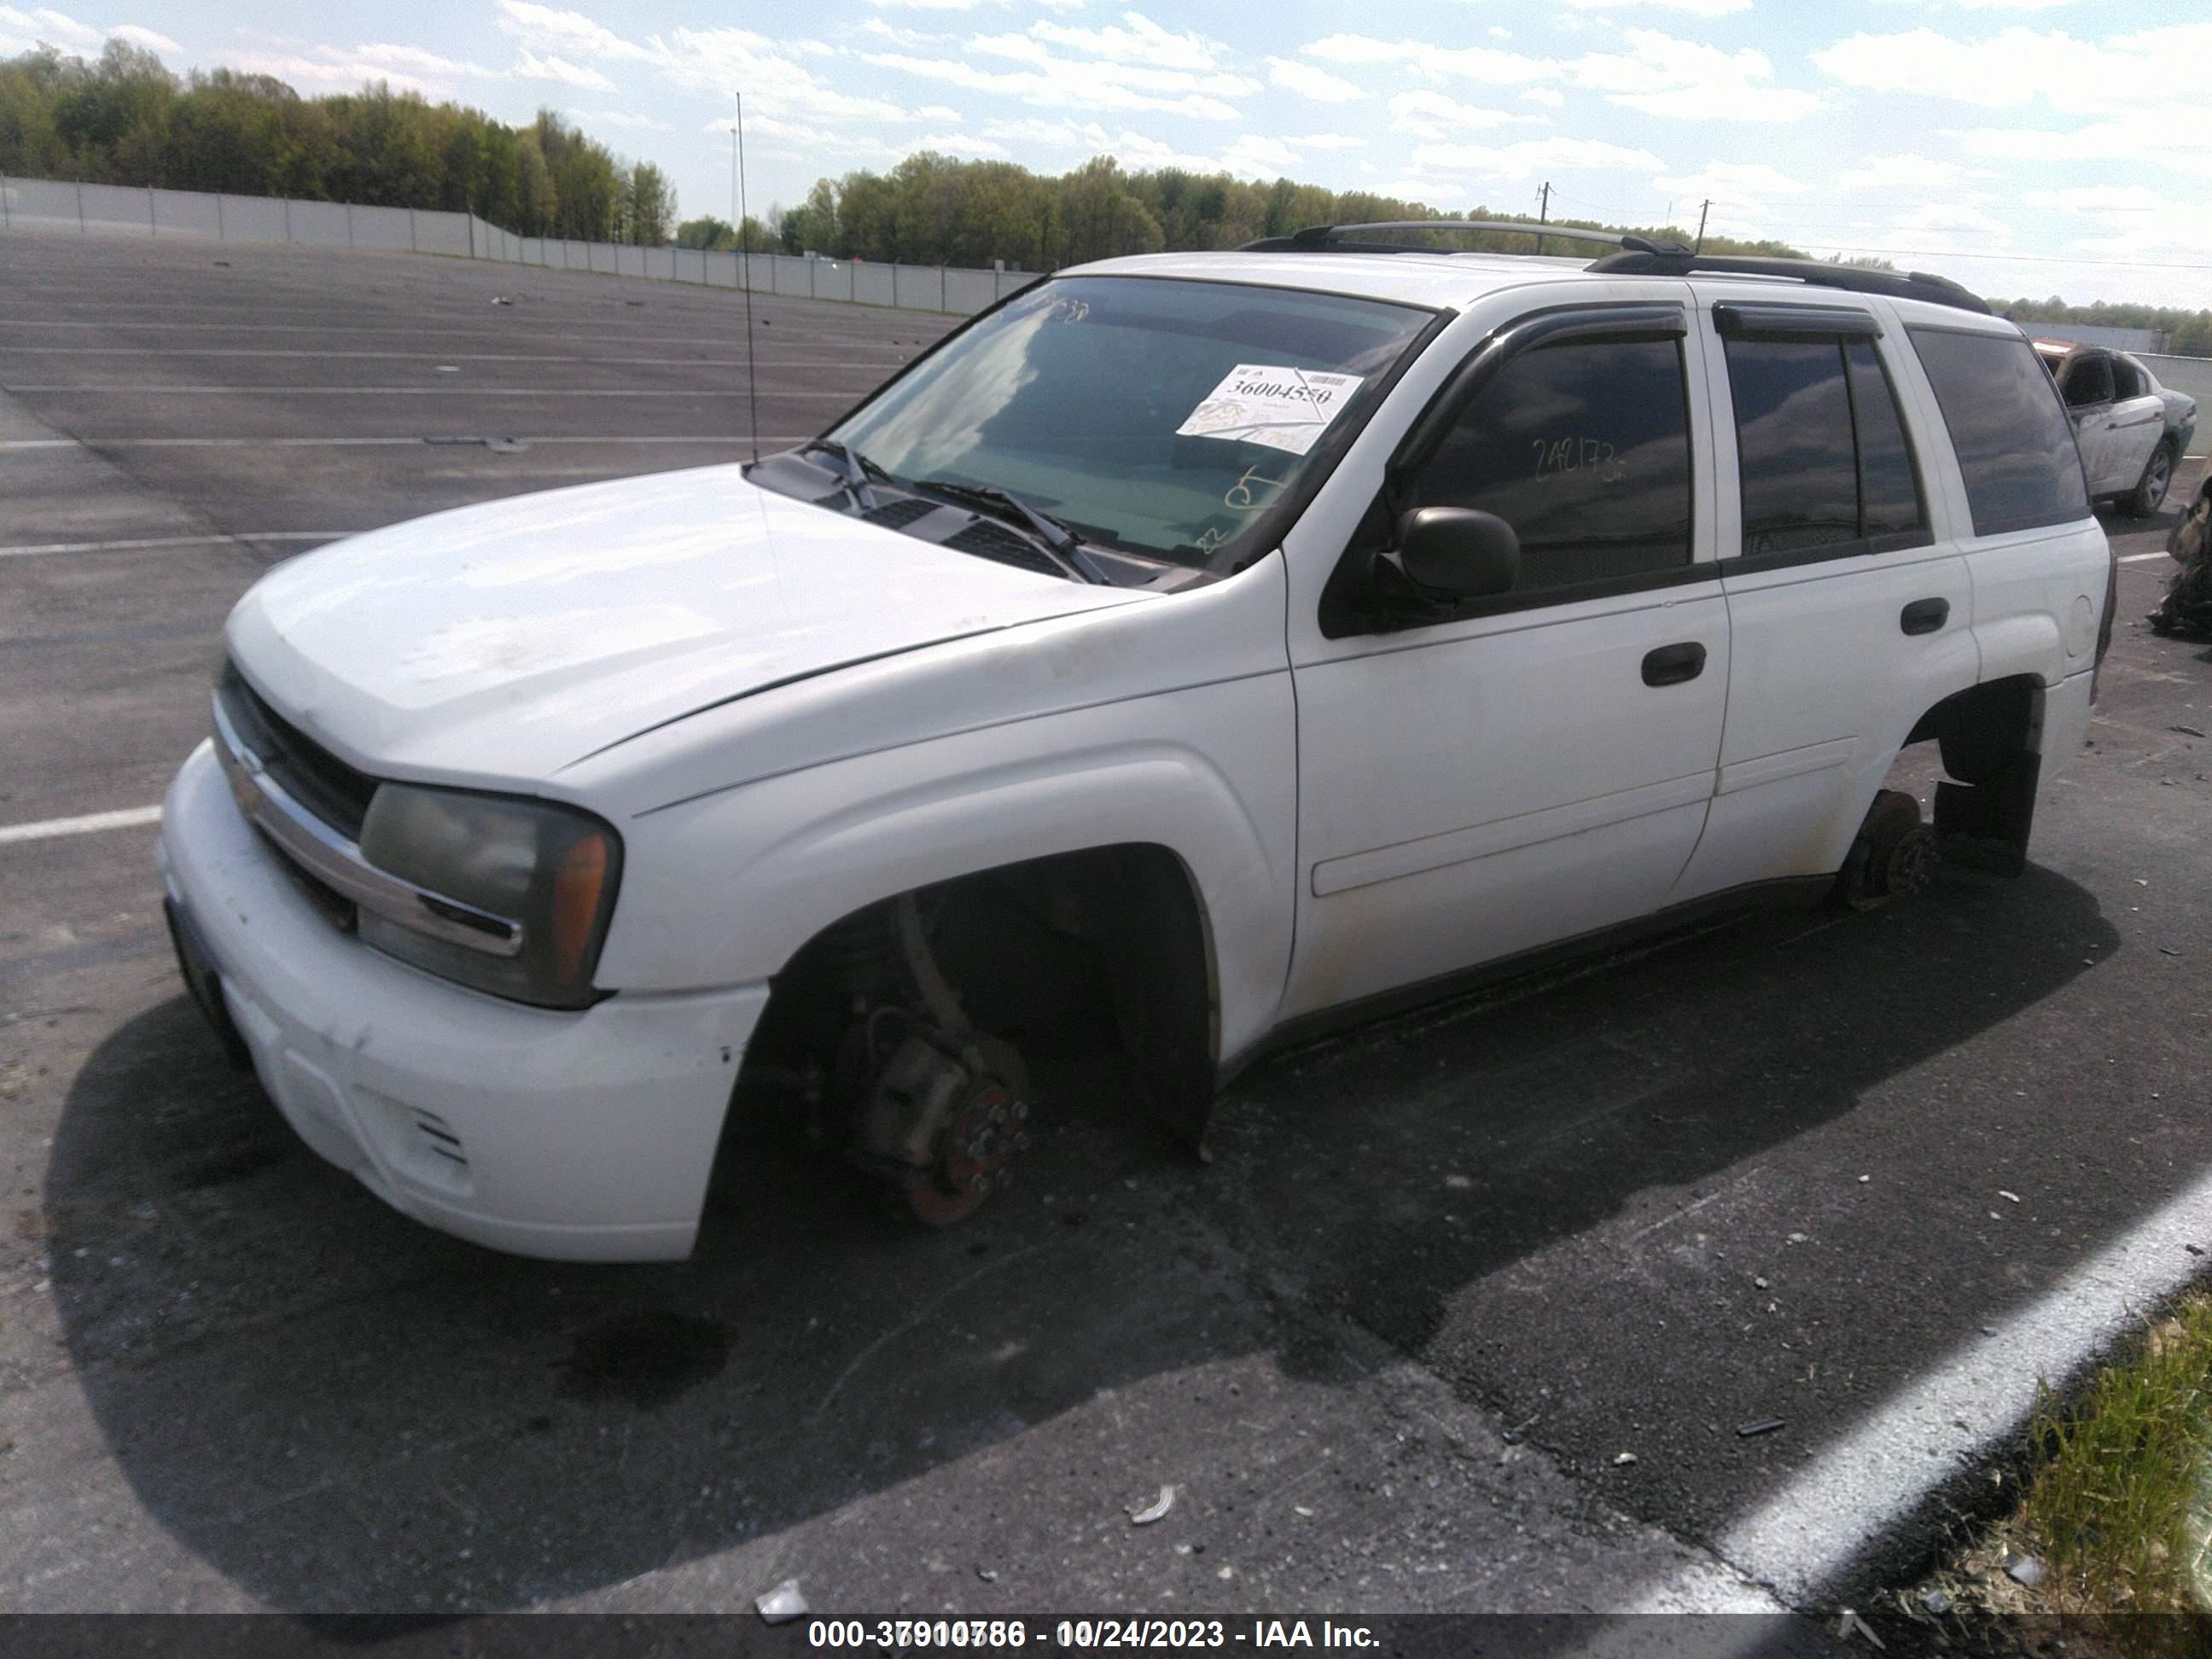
x=986, y=1130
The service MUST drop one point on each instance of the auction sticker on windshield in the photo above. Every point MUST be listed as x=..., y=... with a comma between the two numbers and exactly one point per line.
x=1268, y=404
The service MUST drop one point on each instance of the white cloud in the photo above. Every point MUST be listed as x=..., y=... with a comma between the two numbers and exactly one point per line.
x=529, y=66
x=1052, y=90
x=1141, y=67
x=1434, y=64
x=624, y=118
x=334, y=68
x=2018, y=66
x=1658, y=75
x=896, y=35
x=1714, y=8
x=20, y=31
x=1731, y=180
x=1312, y=83
x=1900, y=173
x=1064, y=135
x=2100, y=199
x=55, y=27
x=1143, y=41
x=1253, y=156
x=138, y=35
x=1548, y=96
x=959, y=143
x=713, y=61
x=550, y=29
x=1663, y=75
x=1526, y=158
x=2170, y=139
x=1432, y=115
x=1327, y=141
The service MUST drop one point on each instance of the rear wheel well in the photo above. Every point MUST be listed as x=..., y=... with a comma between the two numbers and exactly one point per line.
x=1990, y=738
x=1109, y=942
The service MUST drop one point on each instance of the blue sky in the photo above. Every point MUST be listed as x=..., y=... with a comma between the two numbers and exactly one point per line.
x=2024, y=146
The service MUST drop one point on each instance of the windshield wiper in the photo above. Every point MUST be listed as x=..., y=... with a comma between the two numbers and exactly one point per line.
x=855, y=469
x=1061, y=542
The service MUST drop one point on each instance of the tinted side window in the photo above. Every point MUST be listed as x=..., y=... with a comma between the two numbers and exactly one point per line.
x=1793, y=422
x=2015, y=444
x=1889, y=483
x=2128, y=379
x=1583, y=447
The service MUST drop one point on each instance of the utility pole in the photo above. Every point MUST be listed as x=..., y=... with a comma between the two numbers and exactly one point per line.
x=1544, y=214
x=1703, y=208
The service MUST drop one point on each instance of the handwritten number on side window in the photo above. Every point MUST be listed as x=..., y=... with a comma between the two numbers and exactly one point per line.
x=1556, y=457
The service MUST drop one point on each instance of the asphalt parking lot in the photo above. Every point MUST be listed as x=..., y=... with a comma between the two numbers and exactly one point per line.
x=1467, y=1312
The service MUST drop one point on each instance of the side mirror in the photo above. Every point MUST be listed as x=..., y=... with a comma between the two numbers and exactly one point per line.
x=1459, y=550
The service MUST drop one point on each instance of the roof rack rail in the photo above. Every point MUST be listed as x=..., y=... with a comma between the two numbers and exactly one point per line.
x=1815, y=273
x=1330, y=238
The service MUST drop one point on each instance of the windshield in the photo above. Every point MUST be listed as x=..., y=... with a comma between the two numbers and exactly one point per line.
x=1159, y=416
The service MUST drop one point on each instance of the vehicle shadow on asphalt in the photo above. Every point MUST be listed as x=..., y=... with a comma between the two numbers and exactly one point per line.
x=340, y=1410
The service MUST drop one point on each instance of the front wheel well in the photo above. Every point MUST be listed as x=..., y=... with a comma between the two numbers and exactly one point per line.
x=1109, y=942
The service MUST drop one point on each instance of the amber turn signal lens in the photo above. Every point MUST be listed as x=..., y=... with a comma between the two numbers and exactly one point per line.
x=577, y=887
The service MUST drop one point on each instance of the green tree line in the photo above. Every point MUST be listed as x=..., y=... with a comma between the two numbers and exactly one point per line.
x=935, y=210
x=125, y=119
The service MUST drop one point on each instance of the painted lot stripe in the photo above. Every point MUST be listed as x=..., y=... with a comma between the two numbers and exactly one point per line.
x=128, y=817
x=1805, y=1540
x=442, y=356
x=250, y=323
x=414, y=331
x=422, y=392
x=2138, y=558
x=371, y=443
x=176, y=541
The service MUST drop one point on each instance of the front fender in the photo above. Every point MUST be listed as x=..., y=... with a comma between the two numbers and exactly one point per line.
x=725, y=889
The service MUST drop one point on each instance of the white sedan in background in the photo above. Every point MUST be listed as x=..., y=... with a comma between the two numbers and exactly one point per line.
x=2129, y=446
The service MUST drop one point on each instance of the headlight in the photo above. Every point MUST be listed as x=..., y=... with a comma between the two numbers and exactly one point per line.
x=494, y=861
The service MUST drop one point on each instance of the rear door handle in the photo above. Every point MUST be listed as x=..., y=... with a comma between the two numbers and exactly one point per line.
x=1671, y=665
x=1924, y=615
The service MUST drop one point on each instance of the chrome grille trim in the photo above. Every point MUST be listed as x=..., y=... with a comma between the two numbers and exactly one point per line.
x=337, y=863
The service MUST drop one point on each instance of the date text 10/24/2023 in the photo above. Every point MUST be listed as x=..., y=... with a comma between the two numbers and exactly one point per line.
x=1005, y=1635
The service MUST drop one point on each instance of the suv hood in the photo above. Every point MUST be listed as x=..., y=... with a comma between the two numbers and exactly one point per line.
x=498, y=643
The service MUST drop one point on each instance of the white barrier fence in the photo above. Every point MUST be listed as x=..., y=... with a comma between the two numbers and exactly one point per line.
x=46, y=204
x=2194, y=376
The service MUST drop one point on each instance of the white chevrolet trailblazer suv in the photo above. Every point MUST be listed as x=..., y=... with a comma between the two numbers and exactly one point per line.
x=1235, y=643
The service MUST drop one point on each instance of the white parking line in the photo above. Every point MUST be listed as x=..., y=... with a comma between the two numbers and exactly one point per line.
x=1806, y=1538
x=442, y=356
x=2138, y=558
x=663, y=392
x=412, y=331
x=725, y=437
x=128, y=817
x=145, y=542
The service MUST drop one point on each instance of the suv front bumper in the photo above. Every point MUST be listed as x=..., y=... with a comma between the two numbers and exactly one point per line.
x=582, y=1136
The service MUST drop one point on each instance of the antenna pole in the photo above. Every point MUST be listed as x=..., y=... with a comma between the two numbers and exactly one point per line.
x=745, y=265
x=1544, y=214
x=1703, y=208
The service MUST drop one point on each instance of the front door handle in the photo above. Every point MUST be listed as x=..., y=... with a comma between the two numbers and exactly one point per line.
x=1924, y=615
x=1671, y=665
